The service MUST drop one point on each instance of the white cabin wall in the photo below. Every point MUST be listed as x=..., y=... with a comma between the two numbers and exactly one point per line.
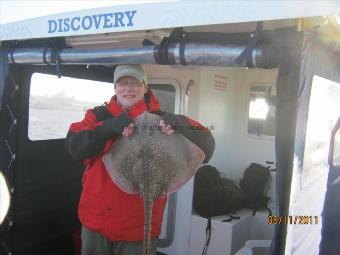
x=217, y=109
x=227, y=111
x=247, y=148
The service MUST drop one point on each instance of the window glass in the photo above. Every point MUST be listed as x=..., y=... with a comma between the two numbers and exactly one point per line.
x=323, y=113
x=261, y=114
x=166, y=94
x=56, y=103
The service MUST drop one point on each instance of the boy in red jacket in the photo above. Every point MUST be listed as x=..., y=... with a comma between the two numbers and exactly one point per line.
x=113, y=221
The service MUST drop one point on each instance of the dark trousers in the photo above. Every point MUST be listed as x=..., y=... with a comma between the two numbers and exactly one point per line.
x=94, y=243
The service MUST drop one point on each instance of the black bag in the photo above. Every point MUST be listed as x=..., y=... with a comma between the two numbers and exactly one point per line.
x=214, y=195
x=236, y=197
x=254, y=184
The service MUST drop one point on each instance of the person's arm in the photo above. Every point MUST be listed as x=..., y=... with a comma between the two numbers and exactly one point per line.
x=87, y=138
x=192, y=130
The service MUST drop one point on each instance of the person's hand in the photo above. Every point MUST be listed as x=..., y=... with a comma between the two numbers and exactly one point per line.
x=171, y=120
x=167, y=129
x=122, y=124
x=129, y=130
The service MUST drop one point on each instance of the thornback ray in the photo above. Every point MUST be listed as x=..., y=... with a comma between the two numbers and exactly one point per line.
x=151, y=163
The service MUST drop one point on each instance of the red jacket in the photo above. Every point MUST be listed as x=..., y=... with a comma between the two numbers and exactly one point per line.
x=103, y=207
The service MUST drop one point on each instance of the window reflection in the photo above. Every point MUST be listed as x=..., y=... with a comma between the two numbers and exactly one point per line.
x=323, y=113
x=166, y=94
x=262, y=104
x=56, y=103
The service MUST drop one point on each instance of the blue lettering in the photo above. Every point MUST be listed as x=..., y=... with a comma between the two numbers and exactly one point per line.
x=97, y=19
x=72, y=23
x=119, y=18
x=66, y=25
x=60, y=25
x=130, y=15
x=107, y=21
x=52, y=26
x=83, y=23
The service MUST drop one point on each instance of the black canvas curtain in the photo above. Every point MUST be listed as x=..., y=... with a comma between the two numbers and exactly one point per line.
x=3, y=71
x=288, y=43
x=323, y=60
x=7, y=143
x=300, y=61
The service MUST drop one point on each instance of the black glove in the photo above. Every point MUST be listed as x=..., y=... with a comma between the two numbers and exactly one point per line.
x=177, y=122
x=119, y=123
x=181, y=124
x=114, y=125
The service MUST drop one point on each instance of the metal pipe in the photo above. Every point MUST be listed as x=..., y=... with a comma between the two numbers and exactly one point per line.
x=222, y=54
x=206, y=54
x=263, y=56
x=28, y=56
x=108, y=56
x=83, y=56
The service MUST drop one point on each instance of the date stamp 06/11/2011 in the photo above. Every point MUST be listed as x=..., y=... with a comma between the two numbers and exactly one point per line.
x=305, y=219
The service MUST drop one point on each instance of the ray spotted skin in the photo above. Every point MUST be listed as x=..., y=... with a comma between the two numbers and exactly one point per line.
x=151, y=163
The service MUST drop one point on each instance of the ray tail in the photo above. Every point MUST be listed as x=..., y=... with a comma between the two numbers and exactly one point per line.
x=148, y=202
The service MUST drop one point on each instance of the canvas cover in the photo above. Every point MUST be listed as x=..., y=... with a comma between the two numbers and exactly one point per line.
x=288, y=44
x=4, y=66
x=133, y=16
x=314, y=105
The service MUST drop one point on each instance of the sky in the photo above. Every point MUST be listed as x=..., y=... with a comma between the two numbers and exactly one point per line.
x=81, y=90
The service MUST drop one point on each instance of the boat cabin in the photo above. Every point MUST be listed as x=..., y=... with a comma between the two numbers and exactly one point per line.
x=264, y=80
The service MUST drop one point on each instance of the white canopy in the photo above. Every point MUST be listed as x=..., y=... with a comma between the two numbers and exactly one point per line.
x=129, y=16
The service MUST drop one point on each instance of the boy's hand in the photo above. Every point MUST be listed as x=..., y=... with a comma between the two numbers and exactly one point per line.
x=129, y=130
x=120, y=123
x=167, y=129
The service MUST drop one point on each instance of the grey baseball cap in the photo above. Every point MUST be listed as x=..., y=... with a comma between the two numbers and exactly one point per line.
x=135, y=71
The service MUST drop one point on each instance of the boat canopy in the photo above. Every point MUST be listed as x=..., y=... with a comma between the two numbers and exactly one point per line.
x=129, y=16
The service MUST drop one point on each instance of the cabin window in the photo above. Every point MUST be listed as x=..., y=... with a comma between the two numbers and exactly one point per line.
x=56, y=103
x=166, y=94
x=261, y=110
x=323, y=113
